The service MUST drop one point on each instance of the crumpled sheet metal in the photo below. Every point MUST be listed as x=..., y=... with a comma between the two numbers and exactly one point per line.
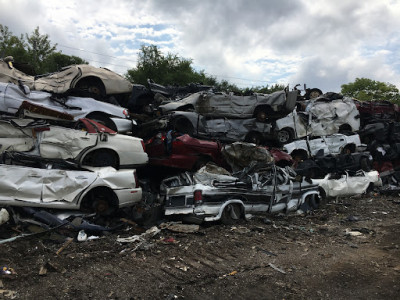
x=12, y=98
x=229, y=105
x=15, y=139
x=210, y=172
x=37, y=185
x=348, y=185
x=240, y=155
x=331, y=115
x=64, y=143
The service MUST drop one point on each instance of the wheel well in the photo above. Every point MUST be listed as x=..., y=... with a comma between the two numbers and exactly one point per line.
x=183, y=125
x=345, y=128
x=93, y=80
x=352, y=148
x=101, y=192
x=267, y=109
x=188, y=107
x=101, y=116
x=88, y=159
x=253, y=133
x=299, y=153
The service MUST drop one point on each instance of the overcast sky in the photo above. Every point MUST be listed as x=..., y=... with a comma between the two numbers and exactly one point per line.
x=323, y=43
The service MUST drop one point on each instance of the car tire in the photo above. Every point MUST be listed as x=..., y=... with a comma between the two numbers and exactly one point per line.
x=101, y=200
x=231, y=214
x=261, y=115
x=314, y=93
x=284, y=136
x=347, y=150
x=91, y=86
x=254, y=137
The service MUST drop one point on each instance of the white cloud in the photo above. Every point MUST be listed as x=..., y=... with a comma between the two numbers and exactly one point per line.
x=322, y=43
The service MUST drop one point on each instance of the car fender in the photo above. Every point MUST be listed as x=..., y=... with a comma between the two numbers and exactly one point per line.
x=231, y=201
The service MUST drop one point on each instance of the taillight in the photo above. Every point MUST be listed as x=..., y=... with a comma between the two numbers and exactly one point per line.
x=136, y=179
x=143, y=145
x=125, y=112
x=198, y=197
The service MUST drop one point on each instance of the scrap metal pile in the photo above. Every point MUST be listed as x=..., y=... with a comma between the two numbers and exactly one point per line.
x=68, y=142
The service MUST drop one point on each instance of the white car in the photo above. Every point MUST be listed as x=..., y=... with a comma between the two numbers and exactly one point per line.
x=333, y=144
x=321, y=118
x=95, y=146
x=20, y=100
x=85, y=78
x=96, y=189
x=334, y=185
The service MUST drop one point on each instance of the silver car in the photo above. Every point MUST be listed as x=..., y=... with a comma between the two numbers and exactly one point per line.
x=19, y=99
x=95, y=146
x=259, y=106
x=93, y=189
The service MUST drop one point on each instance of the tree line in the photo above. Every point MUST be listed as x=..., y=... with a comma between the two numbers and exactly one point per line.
x=35, y=54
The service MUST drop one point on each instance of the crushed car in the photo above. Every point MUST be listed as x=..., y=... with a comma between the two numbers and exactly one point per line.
x=146, y=99
x=321, y=117
x=348, y=183
x=377, y=111
x=36, y=182
x=81, y=80
x=92, y=144
x=175, y=150
x=20, y=100
x=321, y=165
x=222, y=129
x=332, y=144
x=258, y=106
x=215, y=195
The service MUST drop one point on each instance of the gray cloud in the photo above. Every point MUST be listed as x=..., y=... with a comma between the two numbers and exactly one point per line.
x=322, y=43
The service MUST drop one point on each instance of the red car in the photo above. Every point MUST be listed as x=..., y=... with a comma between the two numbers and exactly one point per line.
x=182, y=151
x=371, y=111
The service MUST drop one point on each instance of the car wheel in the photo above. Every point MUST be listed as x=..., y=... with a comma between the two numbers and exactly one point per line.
x=231, y=214
x=299, y=155
x=364, y=164
x=102, y=119
x=284, y=136
x=315, y=93
x=313, y=201
x=322, y=193
x=101, y=201
x=347, y=150
x=254, y=137
x=261, y=115
x=92, y=87
x=105, y=158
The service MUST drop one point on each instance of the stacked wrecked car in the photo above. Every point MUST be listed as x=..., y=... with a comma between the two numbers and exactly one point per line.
x=85, y=139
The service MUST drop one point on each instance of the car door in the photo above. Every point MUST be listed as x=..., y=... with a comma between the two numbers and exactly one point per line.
x=318, y=144
x=65, y=185
x=337, y=186
x=65, y=143
x=335, y=143
x=18, y=183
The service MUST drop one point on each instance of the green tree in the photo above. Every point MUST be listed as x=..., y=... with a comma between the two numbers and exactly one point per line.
x=11, y=45
x=365, y=89
x=270, y=89
x=166, y=70
x=39, y=48
x=55, y=61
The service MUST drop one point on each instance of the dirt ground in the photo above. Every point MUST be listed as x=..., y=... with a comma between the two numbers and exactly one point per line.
x=344, y=250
